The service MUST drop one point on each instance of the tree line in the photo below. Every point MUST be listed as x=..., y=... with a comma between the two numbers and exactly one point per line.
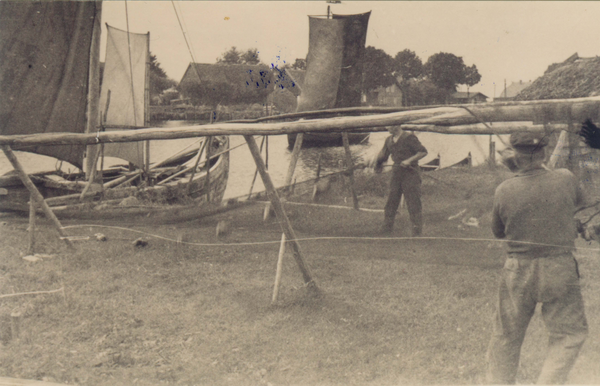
x=421, y=83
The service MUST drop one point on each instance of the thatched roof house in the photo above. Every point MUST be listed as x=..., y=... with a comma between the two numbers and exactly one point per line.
x=239, y=74
x=574, y=78
x=254, y=81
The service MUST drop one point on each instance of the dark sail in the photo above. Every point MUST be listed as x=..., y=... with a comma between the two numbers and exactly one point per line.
x=44, y=64
x=355, y=36
x=333, y=69
x=323, y=63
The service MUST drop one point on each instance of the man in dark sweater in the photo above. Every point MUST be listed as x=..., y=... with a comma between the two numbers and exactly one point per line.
x=534, y=213
x=406, y=151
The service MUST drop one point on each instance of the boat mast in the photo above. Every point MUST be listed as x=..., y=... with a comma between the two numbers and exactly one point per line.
x=147, y=102
x=93, y=96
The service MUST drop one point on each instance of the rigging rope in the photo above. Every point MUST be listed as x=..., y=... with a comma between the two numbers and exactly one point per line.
x=186, y=40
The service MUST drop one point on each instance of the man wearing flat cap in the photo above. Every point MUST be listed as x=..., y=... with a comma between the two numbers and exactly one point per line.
x=534, y=212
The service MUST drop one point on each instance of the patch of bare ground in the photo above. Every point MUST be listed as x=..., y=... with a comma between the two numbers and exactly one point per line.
x=191, y=308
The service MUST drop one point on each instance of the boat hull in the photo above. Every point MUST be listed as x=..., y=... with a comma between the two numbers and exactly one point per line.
x=328, y=139
x=204, y=189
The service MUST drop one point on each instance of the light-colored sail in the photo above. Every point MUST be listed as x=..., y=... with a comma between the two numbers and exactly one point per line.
x=122, y=97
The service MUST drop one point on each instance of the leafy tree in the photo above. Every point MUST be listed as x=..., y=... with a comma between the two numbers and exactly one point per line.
x=232, y=56
x=408, y=66
x=250, y=57
x=159, y=81
x=299, y=64
x=445, y=70
x=472, y=76
x=378, y=69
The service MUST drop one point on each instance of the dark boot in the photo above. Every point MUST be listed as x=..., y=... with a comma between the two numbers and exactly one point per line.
x=388, y=227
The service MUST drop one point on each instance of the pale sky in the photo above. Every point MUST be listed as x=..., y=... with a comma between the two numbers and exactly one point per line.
x=512, y=40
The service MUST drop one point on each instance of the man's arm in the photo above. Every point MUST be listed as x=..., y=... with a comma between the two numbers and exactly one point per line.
x=407, y=162
x=382, y=157
x=497, y=223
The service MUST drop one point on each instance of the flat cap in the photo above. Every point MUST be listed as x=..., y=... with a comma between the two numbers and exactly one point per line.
x=528, y=142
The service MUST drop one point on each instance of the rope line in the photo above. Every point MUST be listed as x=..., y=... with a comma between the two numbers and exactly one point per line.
x=324, y=238
x=33, y=293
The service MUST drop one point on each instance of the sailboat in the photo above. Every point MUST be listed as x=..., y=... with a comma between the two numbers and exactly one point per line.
x=48, y=85
x=333, y=76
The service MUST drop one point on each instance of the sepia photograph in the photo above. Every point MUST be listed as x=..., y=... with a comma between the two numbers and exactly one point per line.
x=293, y=192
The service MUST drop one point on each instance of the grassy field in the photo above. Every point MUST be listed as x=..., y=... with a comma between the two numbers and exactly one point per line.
x=193, y=309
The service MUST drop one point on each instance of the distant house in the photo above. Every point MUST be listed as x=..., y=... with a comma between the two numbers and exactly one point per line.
x=510, y=92
x=384, y=96
x=389, y=96
x=462, y=97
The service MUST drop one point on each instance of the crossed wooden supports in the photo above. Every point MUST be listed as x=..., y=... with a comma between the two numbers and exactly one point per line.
x=288, y=231
x=38, y=200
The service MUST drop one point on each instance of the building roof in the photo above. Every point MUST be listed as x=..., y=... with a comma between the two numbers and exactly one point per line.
x=514, y=89
x=466, y=95
x=255, y=75
x=574, y=78
x=249, y=74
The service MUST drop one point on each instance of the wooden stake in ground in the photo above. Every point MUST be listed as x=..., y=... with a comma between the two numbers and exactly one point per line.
x=561, y=149
x=350, y=168
x=256, y=171
x=284, y=222
x=30, y=248
x=35, y=194
x=279, y=269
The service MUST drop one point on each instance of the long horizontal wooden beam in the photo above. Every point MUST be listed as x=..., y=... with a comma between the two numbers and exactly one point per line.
x=440, y=119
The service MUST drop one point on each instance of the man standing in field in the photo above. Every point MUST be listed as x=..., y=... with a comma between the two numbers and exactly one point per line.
x=534, y=211
x=406, y=151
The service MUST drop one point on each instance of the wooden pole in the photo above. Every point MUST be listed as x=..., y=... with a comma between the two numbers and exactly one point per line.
x=92, y=175
x=279, y=269
x=208, y=146
x=492, y=159
x=256, y=171
x=507, y=122
x=350, y=168
x=559, y=150
x=31, y=247
x=284, y=222
x=294, y=159
x=200, y=152
x=38, y=198
x=93, y=94
x=147, y=104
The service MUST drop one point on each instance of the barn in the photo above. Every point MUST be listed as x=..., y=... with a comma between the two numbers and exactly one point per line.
x=576, y=77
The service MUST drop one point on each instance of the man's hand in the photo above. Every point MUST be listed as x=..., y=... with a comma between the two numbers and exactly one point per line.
x=376, y=166
x=405, y=164
x=590, y=134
